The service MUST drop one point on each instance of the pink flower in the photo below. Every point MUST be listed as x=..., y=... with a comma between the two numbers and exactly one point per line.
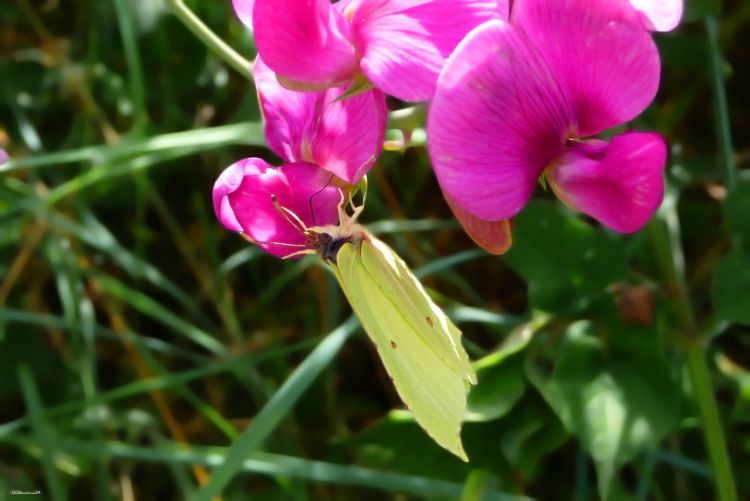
x=325, y=143
x=517, y=100
x=3, y=156
x=659, y=15
x=343, y=137
x=400, y=46
x=249, y=194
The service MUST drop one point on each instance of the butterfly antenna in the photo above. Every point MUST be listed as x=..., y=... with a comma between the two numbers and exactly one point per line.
x=310, y=200
x=290, y=216
x=258, y=242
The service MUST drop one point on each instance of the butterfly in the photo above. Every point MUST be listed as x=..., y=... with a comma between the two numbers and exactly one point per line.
x=419, y=345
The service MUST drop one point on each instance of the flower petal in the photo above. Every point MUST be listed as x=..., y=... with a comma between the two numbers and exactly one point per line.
x=306, y=42
x=244, y=10
x=660, y=15
x=347, y=136
x=605, y=62
x=344, y=137
x=286, y=113
x=404, y=43
x=496, y=121
x=619, y=183
x=493, y=236
x=242, y=200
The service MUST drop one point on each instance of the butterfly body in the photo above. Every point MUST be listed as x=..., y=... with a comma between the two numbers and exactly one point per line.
x=327, y=241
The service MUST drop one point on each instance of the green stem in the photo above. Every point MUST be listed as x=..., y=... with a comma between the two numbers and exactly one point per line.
x=711, y=421
x=666, y=240
x=721, y=109
x=208, y=37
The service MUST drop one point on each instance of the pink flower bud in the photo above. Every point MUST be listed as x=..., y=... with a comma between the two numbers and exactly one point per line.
x=254, y=198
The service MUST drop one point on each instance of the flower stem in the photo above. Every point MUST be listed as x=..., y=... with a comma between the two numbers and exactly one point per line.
x=721, y=110
x=666, y=239
x=208, y=37
x=710, y=421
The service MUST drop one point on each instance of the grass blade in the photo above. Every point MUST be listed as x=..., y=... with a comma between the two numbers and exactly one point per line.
x=276, y=409
x=43, y=434
x=208, y=138
x=158, y=312
x=287, y=466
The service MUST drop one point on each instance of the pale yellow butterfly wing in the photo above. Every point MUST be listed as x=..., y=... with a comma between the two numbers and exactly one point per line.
x=419, y=346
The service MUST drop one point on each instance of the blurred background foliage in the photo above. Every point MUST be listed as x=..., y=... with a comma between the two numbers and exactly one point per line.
x=142, y=345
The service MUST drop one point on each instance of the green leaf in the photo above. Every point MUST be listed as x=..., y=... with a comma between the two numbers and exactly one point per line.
x=397, y=443
x=561, y=257
x=618, y=400
x=731, y=287
x=530, y=432
x=501, y=384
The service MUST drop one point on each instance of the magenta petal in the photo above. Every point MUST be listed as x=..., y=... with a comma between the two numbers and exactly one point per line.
x=404, y=43
x=344, y=137
x=286, y=114
x=496, y=121
x=660, y=15
x=605, y=62
x=307, y=43
x=494, y=237
x=619, y=183
x=242, y=202
x=347, y=137
x=244, y=10
x=228, y=182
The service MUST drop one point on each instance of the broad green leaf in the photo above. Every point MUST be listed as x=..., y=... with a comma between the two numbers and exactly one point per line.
x=512, y=445
x=530, y=432
x=561, y=257
x=397, y=443
x=618, y=400
x=501, y=384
